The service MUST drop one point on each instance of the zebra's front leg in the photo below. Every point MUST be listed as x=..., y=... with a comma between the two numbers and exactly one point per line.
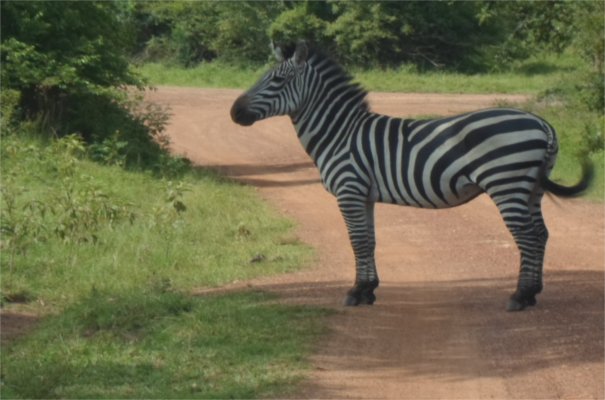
x=359, y=217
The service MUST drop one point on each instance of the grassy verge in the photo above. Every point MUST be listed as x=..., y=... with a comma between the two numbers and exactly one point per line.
x=164, y=345
x=210, y=75
x=528, y=77
x=209, y=243
x=108, y=257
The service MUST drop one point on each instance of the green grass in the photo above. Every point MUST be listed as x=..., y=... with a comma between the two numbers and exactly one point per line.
x=211, y=75
x=450, y=82
x=225, y=225
x=118, y=317
x=165, y=346
x=528, y=77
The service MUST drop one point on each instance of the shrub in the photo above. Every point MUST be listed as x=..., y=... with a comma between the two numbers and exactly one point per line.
x=65, y=64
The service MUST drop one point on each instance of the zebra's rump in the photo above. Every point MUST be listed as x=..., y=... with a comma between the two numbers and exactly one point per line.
x=446, y=162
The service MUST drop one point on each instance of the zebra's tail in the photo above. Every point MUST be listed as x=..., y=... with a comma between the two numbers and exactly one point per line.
x=570, y=191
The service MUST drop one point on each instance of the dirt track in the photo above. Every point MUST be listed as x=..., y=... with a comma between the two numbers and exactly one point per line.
x=438, y=328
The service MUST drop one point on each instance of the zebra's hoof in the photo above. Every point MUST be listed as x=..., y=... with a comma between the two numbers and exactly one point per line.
x=368, y=298
x=516, y=304
x=361, y=293
x=365, y=298
x=351, y=300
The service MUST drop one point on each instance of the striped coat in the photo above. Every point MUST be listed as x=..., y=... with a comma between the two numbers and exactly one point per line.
x=366, y=158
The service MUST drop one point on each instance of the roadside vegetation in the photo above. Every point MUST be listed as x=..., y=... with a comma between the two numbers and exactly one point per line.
x=105, y=234
x=71, y=224
x=108, y=258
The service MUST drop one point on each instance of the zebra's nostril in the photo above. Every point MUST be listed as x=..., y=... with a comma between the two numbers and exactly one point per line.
x=240, y=113
x=237, y=111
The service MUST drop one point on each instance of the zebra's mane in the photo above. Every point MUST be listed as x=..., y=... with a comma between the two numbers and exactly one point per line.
x=316, y=57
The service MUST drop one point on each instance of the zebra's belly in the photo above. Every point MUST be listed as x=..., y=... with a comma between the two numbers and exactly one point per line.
x=465, y=194
x=465, y=191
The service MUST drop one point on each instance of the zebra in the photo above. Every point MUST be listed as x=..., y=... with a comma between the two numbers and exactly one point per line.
x=366, y=158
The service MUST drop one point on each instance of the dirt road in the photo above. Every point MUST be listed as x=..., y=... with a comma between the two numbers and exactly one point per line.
x=439, y=327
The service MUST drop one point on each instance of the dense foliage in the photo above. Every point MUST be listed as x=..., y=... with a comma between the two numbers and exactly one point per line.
x=359, y=33
x=456, y=35
x=64, y=68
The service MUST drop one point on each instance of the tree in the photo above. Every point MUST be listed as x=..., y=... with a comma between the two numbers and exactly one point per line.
x=589, y=28
x=72, y=46
x=66, y=61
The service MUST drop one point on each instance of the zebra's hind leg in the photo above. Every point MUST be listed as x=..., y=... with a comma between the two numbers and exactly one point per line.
x=519, y=205
x=530, y=277
x=359, y=218
x=530, y=240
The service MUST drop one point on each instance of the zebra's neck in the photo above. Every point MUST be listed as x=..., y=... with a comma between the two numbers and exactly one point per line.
x=331, y=107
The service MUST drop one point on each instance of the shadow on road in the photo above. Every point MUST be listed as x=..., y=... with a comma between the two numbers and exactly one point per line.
x=564, y=329
x=247, y=173
x=265, y=183
x=236, y=170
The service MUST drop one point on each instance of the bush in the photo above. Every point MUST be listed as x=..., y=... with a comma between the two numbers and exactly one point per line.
x=65, y=64
x=429, y=34
x=358, y=33
x=190, y=32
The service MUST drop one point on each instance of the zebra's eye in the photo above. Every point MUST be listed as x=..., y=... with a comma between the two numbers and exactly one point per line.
x=278, y=79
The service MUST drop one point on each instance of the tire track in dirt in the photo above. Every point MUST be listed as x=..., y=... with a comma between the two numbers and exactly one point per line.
x=438, y=328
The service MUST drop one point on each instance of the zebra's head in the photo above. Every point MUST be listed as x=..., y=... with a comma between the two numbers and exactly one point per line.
x=277, y=92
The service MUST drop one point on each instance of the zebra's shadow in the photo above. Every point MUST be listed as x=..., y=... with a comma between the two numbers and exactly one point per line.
x=280, y=174
x=438, y=330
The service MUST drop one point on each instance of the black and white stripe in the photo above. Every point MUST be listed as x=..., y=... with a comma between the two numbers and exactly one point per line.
x=365, y=158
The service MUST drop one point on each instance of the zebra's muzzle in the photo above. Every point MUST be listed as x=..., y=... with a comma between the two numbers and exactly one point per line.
x=240, y=113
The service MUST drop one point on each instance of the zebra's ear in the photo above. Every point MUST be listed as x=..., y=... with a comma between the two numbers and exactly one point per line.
x=301, y=53
x=277, y=51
